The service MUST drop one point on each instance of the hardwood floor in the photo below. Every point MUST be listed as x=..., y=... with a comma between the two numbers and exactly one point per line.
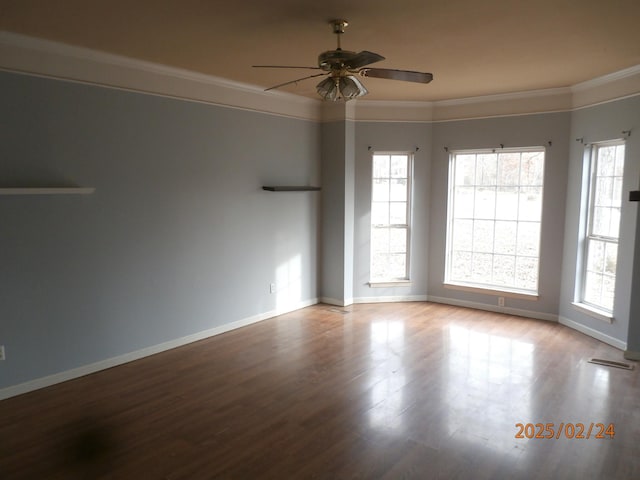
x=384, y=391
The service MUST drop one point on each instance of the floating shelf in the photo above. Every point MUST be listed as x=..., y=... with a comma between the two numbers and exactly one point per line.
x=291, y=189
x=47, y=191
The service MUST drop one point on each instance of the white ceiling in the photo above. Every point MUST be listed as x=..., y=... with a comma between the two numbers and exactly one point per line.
x=472, y=47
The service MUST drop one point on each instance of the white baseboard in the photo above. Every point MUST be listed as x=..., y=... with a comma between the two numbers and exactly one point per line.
x=334, y=301
x=392, y=298
x=491, y=308
x=614, y=342
x=145, y=352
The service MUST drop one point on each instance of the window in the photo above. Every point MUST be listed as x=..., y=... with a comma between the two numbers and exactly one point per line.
x=600, y=245
x=390, y=217
x=495, y=210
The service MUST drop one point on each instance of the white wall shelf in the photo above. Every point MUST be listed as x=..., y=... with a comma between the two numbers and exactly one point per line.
x=47, y=191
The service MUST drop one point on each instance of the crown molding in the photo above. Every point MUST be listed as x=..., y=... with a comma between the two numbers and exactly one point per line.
x=613, y=86
x=608, y=78
x=338, y=111
x=503, y=104
x=390, y=111
x=34, y=56
x=501, y=97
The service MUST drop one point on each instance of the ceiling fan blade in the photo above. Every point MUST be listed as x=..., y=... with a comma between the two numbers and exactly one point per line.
x=362, y=59
x=390, y=74
x=283, y=66
x=295, y=81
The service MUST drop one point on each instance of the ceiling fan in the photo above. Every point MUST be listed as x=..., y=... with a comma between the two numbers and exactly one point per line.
x=343, y=67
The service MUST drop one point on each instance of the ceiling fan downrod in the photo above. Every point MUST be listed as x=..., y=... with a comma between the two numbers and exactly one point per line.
x=338, y=29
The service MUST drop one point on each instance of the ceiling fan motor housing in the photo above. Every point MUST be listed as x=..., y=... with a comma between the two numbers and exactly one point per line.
x=335, y=59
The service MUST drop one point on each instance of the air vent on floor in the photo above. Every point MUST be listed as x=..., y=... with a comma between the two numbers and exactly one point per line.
x=611, y=363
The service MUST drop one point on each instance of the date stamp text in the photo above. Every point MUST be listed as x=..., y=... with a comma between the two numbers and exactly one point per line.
x=565, y=430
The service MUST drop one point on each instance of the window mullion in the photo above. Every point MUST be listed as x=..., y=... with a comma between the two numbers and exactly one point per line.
x=473, y=214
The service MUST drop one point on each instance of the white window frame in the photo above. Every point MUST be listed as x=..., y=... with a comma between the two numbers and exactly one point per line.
x=489, y=288
x=599, y=311
x=406, y=279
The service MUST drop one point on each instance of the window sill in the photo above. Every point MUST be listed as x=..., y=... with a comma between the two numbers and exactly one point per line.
x=391, y=283
x=593, y=312
x=492, y=291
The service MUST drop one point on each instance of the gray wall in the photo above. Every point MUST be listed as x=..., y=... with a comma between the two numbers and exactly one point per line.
x=178, y=238
x=337, y=213
x=598, y=123
x=633, y=337
x=516, y=131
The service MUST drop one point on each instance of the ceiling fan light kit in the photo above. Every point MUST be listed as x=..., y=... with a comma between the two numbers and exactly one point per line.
x=343, y=67
x=341, y=88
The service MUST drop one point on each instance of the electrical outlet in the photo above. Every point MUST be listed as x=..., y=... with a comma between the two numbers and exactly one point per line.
x=2, y=357
x=272, y=288
x=501, y=301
